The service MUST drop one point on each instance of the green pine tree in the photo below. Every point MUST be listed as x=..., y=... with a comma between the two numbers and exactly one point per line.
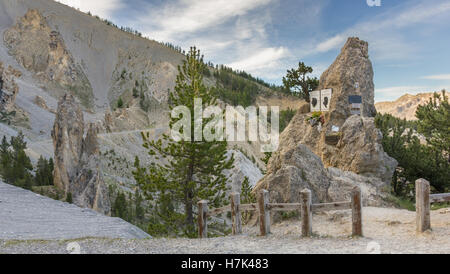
x=195, y=168
x=5, y=157
x=120, y=206
x=44, y=172
x=298, y=80
x=434, y=123
x=139, y=210
x=247, y=197
x=428, y=160
x=16, y=166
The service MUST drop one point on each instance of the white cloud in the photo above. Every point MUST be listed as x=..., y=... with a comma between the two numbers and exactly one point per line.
x=264, y=59
x=188, y=16
x=102, y=8
x=437, y=77
x=332, y=43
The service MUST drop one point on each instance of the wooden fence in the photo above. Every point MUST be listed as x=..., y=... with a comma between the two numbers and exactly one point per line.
x=423, y=203
x=264, y=208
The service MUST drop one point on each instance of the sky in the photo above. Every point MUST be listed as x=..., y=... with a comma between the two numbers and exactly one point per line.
x=408, y=39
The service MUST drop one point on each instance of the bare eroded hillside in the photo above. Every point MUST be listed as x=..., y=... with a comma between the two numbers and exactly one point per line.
x=404, y=107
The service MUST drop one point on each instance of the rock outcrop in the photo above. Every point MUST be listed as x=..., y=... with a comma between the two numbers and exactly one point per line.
x=340, y=143
x=350, y=74
x=39, y=101
x=360, y=150
x=297, y=167
x=8, y=88
x=41, y=50
x=243, y=167
x=77, y=164
x=373, y=190
x=292, y=169
x=339, y=151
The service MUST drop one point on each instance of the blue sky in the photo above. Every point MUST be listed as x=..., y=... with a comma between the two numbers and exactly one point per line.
x=408, y=39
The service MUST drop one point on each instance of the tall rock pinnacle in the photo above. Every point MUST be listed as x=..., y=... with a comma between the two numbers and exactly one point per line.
x=77, y=164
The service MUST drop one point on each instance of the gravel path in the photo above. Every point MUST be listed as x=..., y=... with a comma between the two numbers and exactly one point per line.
x=25, y=215
x=386, y=231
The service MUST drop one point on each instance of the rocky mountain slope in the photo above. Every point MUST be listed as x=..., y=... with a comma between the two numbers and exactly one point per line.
x=48, y=49
x=404, y=107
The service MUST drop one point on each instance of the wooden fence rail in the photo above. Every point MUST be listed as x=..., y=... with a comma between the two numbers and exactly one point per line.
x=423, y=204
x=264, y=209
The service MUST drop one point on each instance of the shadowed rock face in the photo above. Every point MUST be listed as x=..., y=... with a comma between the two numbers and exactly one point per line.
x=360, y=150
x=291, y=170
x=8, y=88
x=77, y=169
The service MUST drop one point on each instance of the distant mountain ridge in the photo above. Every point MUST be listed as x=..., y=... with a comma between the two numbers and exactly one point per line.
x=404, y=107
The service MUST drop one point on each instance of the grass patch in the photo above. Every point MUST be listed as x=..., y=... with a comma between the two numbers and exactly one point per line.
x=402, y=203
x=287, y=215
x=437, y=206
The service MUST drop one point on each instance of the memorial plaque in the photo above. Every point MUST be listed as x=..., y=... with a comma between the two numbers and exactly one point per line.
x=325, y=99
x=355, y=102
x=315, y=100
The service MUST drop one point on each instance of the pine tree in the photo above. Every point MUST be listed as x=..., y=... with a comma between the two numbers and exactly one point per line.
x=16, y=165
x=194, y=169
x=296, y=79
x=139, y=210
x=120, y=206
x=44, y=172
x=247, y=197
x=434, y=122
x=5, y=157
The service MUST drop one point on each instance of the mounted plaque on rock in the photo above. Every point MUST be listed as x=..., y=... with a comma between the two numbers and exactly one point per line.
x=355, y=102
x=325, y=100
x=320, y=100
x=315, y=100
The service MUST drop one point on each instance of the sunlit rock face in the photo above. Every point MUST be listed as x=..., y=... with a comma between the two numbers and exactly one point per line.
x=343, y=150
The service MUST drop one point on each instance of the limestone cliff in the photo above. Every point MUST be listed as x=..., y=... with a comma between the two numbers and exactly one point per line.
x=77, y=164
x=42, y=50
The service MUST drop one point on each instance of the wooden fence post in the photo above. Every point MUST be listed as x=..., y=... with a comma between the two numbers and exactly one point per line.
x=264, y=213
x=236, y=213
x=306, y=212
x=423, y=222
x=356, y=212
x=202, y=219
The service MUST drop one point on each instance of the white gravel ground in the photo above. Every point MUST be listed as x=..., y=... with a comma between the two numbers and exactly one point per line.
x=385, y=230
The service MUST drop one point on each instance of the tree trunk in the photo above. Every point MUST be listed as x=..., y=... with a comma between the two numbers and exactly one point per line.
x=188, y=196
x=189, y=212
